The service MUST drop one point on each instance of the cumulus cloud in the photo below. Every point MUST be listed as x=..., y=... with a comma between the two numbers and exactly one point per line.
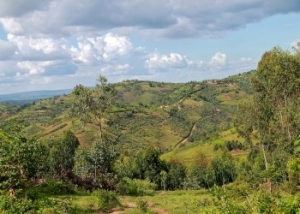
x=101, y=48
x=33, y=67
x=29, y=48
x=218, y=60
x=162, y=67
x=58, y=56
x=159, y=62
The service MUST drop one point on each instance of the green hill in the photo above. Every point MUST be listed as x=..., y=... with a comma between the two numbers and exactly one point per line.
x=174, y=117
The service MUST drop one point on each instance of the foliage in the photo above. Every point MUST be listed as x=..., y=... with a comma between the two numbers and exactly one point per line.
x=22, y=205
x=148, y=166
x=106, y=199
x=142, y=205
x=202, y=174
x=175, y=176
x=276, y=96
x=61, y=157
x=21, y=159
x=135, y=187
x=51, y=187
x=224, y=169
x=101, y=158
x=90, y=105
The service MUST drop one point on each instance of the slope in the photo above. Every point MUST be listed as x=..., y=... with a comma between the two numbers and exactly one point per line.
x=169, y=116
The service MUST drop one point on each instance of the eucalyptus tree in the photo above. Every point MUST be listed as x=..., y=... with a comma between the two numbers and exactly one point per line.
x=91, y=104
x=276, y=86
x=273, y=111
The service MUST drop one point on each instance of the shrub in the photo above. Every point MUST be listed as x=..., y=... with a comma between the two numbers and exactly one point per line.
x=23, y=205
x=52, y=187
x=142, y=205
x=106, y=199
x=135, y=187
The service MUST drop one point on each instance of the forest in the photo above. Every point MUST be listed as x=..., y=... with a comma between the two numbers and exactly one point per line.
x=217, y=146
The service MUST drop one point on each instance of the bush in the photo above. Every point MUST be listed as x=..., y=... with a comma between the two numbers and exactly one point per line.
x=142, y=205
x=106, y=199
x=135, y=187
x=23, y=205
x=51, y=187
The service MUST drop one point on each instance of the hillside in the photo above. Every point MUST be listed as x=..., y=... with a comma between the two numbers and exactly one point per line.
x=169, y=116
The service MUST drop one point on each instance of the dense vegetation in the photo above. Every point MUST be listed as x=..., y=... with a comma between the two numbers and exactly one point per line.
x=235, y=142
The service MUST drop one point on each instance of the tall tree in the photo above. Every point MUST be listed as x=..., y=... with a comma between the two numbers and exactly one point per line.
x=276, y=87
x=273, y=113
x=91, y=105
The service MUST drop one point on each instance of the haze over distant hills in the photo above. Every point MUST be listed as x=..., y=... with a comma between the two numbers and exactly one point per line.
x=25, y=97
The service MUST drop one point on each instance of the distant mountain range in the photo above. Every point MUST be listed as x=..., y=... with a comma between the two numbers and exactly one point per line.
x=25, y=97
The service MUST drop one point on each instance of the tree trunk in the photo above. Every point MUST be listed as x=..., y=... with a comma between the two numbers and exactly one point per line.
x=269, y=183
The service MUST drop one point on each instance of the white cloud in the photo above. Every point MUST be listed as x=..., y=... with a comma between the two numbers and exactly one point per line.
x=101, y=48
x=115, y=69
x=115, y=45
x=34, y=68
x=218, y=60
x=41, y=48
x=158, y=62
x=11, y=25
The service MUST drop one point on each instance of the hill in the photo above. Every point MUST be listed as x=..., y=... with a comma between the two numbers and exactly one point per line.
x=170, y=116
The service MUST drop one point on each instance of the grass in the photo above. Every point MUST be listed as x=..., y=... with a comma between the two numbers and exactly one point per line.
x=86, y=204
x=179, y=202
x=188, y=152
x=188, y=155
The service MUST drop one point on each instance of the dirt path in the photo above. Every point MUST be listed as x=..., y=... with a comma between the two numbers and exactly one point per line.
x=185, y=138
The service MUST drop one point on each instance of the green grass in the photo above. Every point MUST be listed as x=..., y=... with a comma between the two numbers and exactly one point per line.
x=179, y=202
x=86, y=204
x=187, y=153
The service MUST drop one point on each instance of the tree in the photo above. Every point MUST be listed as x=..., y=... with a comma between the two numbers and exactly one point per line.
x=224, y=169
x=82, y=166
x=21, y=159
x=148, y=165
x=273, y=113
x=62, y=154
x=101, y=158
x=90, y=105
x=176, y=175
x=202, y=173
x=276, y=97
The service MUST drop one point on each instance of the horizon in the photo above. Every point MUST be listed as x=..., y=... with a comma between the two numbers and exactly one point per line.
x=140, y=80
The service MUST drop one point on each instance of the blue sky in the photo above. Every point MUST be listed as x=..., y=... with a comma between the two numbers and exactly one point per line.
x=56, y=44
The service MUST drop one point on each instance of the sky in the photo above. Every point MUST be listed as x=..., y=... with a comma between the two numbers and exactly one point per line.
x=57, y=44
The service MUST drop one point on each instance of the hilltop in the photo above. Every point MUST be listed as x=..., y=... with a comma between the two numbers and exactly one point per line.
x=168, y=116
